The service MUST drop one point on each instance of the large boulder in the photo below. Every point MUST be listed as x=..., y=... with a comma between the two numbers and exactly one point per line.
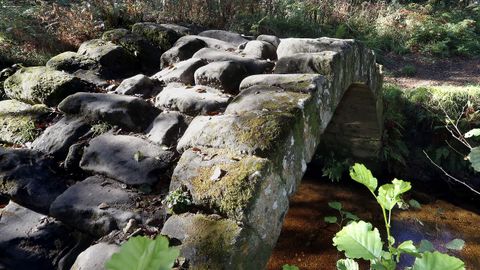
x=147, y=54
x=29, y=240
x=192, y=100
x=71, y=62
x=114, y=61
x=305, y=83
x=96, y=205
x=95, y=257
x=183, y=49
x=290, y=46
x=230, y=37
x=261, y=50
x=19, y=122
x=181, y=72
x=130, y=113
x=209, y=242
x=223, y=75
x=35, y=85
x=139, y=85
x=57, y=138
x=274, y=40
x=167, y=128
x=129, y=159
x=30, y=178
x=326, y=63
x=159, y=35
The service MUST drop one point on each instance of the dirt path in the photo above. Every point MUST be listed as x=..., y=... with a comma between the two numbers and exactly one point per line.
x=456, y=71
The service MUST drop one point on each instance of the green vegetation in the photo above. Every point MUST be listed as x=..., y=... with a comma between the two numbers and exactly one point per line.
x=142, y=253
x=360, y=240
x=178, y=201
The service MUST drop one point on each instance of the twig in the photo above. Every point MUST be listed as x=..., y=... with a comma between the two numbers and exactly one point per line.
x=450, y=176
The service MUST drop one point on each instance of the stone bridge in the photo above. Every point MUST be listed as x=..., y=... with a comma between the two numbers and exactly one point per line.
x=205, y=144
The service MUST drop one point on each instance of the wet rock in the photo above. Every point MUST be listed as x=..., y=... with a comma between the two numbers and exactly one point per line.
x=114, y=61
x=147, y=54
x=80, y=206
x=129, y=159
x=254, y=66
x=290, y=46
x=95, y=257
x=35, y=85
x=71, y=62
x=127, y=112
x=57, y=138
x=224, y=75
x=29, y=178
x=230, y=37
x=274, y=40
x=159, y=35
x=209, y=242
x=181, y=72
x=183, y=49
x=19, y=121
x=260, y=49
x=29, y=240
x=139, y=85
x=167, y=128
x=191, y=100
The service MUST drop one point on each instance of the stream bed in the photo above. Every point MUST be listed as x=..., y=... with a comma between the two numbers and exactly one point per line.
x=306, y=240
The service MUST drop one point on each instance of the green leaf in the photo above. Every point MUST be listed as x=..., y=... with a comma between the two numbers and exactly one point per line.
x=438, y=261
x=389, y=194
x=455, y=244
x=142, y=253
x=473, y=133
x=474, y=158
x=359, y=241
x=425, y=245
x=351, y=216
x=347, y=264
x=415, y=204
x=290, y=267
x=408, y=248
x=364, y=176
x=330, y=219
x=335, y=205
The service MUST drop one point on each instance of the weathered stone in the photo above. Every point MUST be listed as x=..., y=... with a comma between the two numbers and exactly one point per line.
x=192, y=100
x=35, y=85
x=129, y=159
x=305, y=83
x=223, y=75
x=29, y=178
x=114, y=61
x=18, y=121
x=57, y=138
x=212, y=243
x=167, y=128
x=274, y=40
x=261, y=50
x=248, y=190
x=290, y=46
x=71, y=62
x=254, y=66
x=80, y=206
x=127, y=112
x=91, y=76
x=147, y=54
x=29, y=240
x=139, y=85
x=181, y=72
x=74, y=156
x=95, y=257
x=230, y=37
x=325, y=63
x=183, y=49
x=159, y=35
x=182, y=30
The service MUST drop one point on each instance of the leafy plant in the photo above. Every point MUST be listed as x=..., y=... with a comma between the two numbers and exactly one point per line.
x=290, y=267
x=178, y=201
x=344, y=215
x=360, y=240
x=142, y=253
x=334, y=168
x=409, y=70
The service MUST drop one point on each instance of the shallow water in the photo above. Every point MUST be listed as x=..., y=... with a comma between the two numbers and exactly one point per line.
x=306, y=240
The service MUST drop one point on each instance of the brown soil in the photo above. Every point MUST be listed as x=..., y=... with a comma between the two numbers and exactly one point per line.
x=306, y=240
x=456, y=71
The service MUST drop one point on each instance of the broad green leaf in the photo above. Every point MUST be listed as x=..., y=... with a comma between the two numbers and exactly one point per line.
x=408, y=248
x=330, y=219
x=347, y=264
x=364, y=176
x=455, y=244
x=359, y=241
x=351, y=216
x=438, y=261
x=473, y=133
x=415, y=204
x=389, y=194
x=290, y=267
x=425, y=245
x=401, y=186
x=474, y=158
x=142, y=253
x=335, y=205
